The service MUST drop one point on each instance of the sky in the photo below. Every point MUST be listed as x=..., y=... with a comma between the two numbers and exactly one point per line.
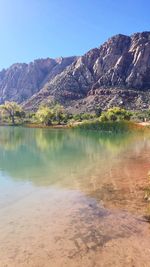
x=31, y=29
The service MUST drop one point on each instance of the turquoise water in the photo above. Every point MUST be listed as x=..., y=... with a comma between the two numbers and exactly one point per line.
x=55, y=182
x=50, y=157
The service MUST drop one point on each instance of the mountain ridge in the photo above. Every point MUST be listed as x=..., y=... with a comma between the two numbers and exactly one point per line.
x=116, y=73
x=21, y=80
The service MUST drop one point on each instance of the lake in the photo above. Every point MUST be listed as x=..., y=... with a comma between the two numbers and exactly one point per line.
x=74, y=198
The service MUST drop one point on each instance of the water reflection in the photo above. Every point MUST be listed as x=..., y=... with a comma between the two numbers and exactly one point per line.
x=111, y=168
x=67, y=198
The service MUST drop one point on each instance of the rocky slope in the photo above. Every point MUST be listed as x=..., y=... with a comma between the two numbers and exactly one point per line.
x=20, y=81
x=116, y=73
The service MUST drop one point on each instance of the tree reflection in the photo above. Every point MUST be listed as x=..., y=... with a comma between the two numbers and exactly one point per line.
x=86, y=161
x=11, y=138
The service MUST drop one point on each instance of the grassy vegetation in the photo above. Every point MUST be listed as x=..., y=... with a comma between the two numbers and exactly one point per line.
x=141, y=116
x=114, y=120
x=109, y=126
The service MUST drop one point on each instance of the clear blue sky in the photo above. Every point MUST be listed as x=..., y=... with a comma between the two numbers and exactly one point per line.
x=31, y=29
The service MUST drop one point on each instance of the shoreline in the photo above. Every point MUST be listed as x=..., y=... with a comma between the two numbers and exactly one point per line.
x=73, y=126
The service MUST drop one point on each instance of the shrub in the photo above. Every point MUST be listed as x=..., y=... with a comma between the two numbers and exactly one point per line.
x=115, y=114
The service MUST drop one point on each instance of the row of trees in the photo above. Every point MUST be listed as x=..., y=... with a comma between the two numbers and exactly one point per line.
x=58, y=115
x=44, y=115
x=116, y=114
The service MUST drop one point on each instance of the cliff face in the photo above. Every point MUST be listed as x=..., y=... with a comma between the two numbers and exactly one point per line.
x=116, y=73
x=125, y=61
x=122, y=62
x=21, y=81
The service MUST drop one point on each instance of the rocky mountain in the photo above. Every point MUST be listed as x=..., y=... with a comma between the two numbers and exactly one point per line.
x=20, y=81
x=116, y=73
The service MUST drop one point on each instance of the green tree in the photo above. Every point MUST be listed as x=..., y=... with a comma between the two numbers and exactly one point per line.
x=45, y=115
x=58, y=112
x=97, y=111
x=77, y=117
x=103, y=117
x=12, y=109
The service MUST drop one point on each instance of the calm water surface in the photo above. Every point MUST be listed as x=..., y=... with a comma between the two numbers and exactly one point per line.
x=70, y=198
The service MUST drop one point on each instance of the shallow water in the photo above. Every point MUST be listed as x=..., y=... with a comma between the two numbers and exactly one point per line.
x=70, y=198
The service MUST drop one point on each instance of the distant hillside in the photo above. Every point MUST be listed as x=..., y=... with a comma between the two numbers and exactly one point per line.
x=116, y=73
x=21, y=81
